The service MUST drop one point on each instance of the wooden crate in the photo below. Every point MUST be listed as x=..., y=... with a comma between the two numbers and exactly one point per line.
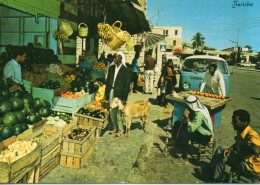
x=70, y=146
x=27, y=85
x=91, y=121
x=49, y=161
x=38, y=125
x=50, y=152
x=43, y=93
x=75, y=161
x=71, y=105
x=25, y=169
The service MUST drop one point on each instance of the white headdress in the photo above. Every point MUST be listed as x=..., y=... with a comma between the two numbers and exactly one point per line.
x=123, y=57
x=194, y=103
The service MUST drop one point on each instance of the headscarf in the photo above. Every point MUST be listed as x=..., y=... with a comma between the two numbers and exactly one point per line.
x=194, y=103
x=123, y=57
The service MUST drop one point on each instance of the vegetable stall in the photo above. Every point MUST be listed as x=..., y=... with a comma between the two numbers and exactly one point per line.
x=59, y=114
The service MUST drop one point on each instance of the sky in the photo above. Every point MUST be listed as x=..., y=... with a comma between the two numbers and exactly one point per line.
x=219, y=21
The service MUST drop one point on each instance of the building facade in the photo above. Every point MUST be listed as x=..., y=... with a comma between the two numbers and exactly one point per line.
x=172, y=41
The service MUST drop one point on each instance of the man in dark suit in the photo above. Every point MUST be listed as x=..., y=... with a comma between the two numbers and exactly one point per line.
x=117, y=86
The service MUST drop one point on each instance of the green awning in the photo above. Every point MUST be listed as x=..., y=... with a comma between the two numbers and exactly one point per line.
x=133, y=18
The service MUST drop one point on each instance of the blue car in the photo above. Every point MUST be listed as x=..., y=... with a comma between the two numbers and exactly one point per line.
x=194, y=68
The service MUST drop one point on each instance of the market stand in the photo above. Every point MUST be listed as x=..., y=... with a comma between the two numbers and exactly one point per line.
x=214, y=105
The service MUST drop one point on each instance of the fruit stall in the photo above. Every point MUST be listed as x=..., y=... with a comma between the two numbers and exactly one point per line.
x=42, y=126
x=214, y=103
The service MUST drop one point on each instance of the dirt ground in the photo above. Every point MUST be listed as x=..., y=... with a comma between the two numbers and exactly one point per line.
x=140, y=158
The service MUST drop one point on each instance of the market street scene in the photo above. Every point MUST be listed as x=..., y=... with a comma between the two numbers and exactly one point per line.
x=129, y=91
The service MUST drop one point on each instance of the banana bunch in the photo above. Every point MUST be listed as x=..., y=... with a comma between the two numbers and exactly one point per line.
x=59, y=34
x=105, y=31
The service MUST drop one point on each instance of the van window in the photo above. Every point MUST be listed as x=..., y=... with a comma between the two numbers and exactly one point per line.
x=202, y=65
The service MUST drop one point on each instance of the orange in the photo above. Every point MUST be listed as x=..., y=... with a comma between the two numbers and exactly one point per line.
x=223, y=97
x=207, y=95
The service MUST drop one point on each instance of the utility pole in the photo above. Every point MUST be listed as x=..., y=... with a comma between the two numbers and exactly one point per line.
x=236, y=50
x=156, y=14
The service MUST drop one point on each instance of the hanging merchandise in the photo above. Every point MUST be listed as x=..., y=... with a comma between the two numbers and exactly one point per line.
x=113, y=36
x=66, y=27
x=83, y=31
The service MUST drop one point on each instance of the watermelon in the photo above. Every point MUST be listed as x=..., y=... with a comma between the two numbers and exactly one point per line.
x=7, y=131
x=17, y=94
x=38, y=103
x=4, y=94
x=24, y=126
x=21, y=117
x=10, y=118
x=45, y=112
x=28, y=100
x=16, y=104
x=33, y=118
x=5, y=107
x=18, y=129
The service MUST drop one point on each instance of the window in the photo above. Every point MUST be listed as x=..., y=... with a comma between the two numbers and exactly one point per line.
x=165, y=32
x=174, y=42
x=176, y=32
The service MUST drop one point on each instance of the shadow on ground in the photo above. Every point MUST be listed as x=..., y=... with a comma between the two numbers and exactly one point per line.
x=161, y=122
x=255, y=98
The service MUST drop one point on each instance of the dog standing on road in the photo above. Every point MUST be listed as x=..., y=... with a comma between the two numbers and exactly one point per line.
x=138, y=109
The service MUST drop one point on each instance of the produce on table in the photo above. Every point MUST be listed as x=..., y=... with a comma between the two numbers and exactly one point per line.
x=92, y=113
x=18, y=110
x=54, y=78
x=56, y=121
x=50, y=84
x=102, y=105
x=99, y=66
x=17, y=150
x=55, y=69
x=83, y=82
x=69, y=77
x=67, y=117
x=72, y=95
x=207, y=94
x=78, y=134
x=40, y=138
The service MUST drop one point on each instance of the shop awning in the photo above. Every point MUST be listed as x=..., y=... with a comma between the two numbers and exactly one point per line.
x=48, y=8
x=130, y=13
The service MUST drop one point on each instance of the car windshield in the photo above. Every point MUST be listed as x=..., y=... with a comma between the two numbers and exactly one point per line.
x=202, y=65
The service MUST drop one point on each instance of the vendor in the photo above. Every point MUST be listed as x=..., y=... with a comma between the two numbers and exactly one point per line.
x=197, y=126
x=215, y=80
x=12, y=69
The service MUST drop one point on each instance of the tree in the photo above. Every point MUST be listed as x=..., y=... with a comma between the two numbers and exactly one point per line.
x=198, y=40
x=178, y=52
x=249, y=48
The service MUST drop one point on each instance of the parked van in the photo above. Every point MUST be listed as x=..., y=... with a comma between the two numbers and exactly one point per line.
x=194, y=68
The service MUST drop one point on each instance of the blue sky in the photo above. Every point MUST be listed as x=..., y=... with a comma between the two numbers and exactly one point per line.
x=217, y=20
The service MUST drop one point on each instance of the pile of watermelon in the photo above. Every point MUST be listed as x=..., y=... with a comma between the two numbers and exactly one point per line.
x=17, y=110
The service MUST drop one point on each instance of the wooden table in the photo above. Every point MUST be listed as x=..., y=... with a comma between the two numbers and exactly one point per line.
x=214, y=106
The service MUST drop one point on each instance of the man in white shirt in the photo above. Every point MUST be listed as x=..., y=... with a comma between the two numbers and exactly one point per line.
x=215, y=80
x=117, y=86
x=12, y=69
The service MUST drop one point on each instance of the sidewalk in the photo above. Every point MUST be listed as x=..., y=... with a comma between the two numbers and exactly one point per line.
x=115, y=160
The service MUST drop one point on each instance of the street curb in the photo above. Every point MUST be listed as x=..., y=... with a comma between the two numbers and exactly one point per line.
x=245, y=69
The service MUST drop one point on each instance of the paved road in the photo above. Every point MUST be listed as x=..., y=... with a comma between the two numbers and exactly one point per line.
x=139, y=159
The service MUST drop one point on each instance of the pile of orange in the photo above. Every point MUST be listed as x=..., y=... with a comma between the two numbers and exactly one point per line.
x=207, y=94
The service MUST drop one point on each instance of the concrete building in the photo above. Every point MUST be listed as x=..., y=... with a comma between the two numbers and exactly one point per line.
x=172, y=41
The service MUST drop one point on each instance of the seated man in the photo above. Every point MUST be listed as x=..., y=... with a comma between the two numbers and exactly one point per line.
x=197, y=125
x=243, y=156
